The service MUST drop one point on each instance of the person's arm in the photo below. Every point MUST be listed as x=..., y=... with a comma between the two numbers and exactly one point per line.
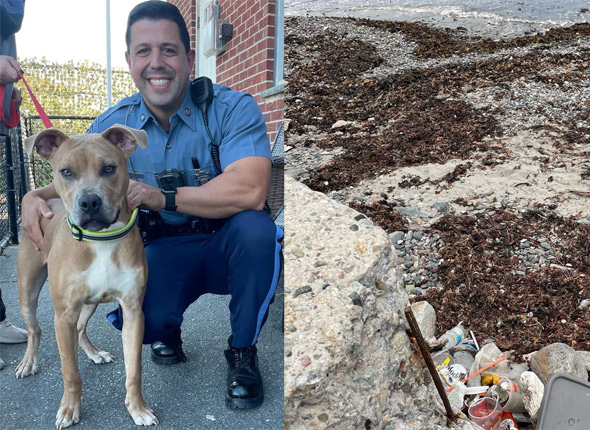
x=242, y=185
x=34, y=206
x=245, y=159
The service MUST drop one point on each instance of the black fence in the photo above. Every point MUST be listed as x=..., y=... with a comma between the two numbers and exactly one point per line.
x=19, y=173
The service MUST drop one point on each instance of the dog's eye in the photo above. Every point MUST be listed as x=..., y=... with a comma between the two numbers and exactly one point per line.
x=109, y=170
x=66, y=173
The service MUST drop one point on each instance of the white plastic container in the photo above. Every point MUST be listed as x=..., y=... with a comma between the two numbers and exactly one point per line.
x=453, y=337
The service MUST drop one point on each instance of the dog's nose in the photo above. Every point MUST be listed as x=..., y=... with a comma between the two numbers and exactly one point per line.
x=90, y=203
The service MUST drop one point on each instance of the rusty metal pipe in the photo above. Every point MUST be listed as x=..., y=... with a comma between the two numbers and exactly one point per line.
x=429, y=363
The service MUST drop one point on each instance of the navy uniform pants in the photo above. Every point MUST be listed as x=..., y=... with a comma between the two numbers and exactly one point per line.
x=241, y=259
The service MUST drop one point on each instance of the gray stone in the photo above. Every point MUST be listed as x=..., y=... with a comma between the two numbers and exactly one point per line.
x=557, y=358
x=302, y=290
x=396, y=236
x=425, y=316
x=411, y=212
x=532, y=393
x=585, y=355
x=442, y=207
x=361, y=367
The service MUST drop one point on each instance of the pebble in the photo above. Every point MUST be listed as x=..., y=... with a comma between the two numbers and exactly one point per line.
x=302, y=290
x=396, y=236
x=442, y=207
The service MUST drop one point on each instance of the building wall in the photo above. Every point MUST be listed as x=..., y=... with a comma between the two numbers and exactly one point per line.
x=248, y=62
x=189, y=12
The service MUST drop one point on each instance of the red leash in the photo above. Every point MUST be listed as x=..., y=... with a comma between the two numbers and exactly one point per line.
x=46, y=121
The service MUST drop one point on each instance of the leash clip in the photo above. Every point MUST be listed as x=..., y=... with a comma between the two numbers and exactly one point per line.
x=77, y=231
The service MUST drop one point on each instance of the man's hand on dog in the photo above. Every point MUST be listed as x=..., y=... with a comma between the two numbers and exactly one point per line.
x=146, y=196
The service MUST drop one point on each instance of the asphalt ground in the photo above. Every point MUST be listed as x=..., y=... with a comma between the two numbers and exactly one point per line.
x=189, y=395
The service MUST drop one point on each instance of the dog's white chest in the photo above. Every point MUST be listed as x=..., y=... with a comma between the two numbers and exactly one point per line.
x=106, y=280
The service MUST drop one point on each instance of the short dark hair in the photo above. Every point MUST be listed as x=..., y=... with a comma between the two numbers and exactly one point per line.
x=155, y=10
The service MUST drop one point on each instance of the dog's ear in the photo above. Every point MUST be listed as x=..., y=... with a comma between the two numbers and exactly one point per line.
x=45, y=142
x=126, y=138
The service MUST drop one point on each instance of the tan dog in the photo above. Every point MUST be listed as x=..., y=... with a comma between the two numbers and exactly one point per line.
x=90, y=176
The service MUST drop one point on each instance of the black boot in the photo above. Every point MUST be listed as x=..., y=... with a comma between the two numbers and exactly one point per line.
x=169, y=352
x=244, y=383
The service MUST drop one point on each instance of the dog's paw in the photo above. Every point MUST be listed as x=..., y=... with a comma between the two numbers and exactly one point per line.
x=26, y=368
x=146, y=419
x=68, y=413
x=101, y=357
x=141, y=413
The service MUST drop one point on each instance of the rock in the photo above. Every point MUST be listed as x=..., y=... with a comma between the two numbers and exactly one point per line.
x=302, y=290
x=396, y=236
x=411, y=212
x=341, y=123
x=585, y=355
x=557, y=358
x=532, y=393
x=348, y=361
x=426, y=318
x=442, y=207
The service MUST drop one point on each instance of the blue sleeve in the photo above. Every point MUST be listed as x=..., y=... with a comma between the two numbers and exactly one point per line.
x=93, y=127
x=244, y=133
x=11, y=16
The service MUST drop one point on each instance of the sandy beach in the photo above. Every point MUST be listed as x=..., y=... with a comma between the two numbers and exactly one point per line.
x=472, y=152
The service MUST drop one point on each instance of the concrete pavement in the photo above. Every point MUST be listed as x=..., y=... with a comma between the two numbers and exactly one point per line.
x=185, y=396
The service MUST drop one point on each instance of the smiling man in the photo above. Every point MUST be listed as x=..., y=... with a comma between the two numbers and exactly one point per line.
x=203, y=234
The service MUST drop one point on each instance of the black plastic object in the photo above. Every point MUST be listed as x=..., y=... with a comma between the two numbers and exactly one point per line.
x=202, y=96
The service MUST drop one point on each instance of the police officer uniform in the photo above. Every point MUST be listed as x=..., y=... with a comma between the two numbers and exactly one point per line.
x=237, y=256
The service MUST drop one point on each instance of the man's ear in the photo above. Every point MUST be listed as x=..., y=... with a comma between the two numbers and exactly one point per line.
x=126, y=138
x=191, y=59
x=45, y=142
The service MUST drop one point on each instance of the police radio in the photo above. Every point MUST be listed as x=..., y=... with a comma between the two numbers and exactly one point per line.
x=202, y=95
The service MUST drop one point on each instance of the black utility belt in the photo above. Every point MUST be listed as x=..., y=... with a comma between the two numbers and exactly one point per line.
x=153, y=227
x=201, y=225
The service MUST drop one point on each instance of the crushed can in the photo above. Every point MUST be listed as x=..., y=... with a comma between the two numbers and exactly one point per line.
x=452, y=374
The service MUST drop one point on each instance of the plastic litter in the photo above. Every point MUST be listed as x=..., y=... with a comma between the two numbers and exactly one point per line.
x=565, y=403
x=485, y=412
x=452, y=337
x=507, y=422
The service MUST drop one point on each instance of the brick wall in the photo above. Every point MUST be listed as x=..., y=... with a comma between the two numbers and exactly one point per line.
x=189, y=12
x=248, y=62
